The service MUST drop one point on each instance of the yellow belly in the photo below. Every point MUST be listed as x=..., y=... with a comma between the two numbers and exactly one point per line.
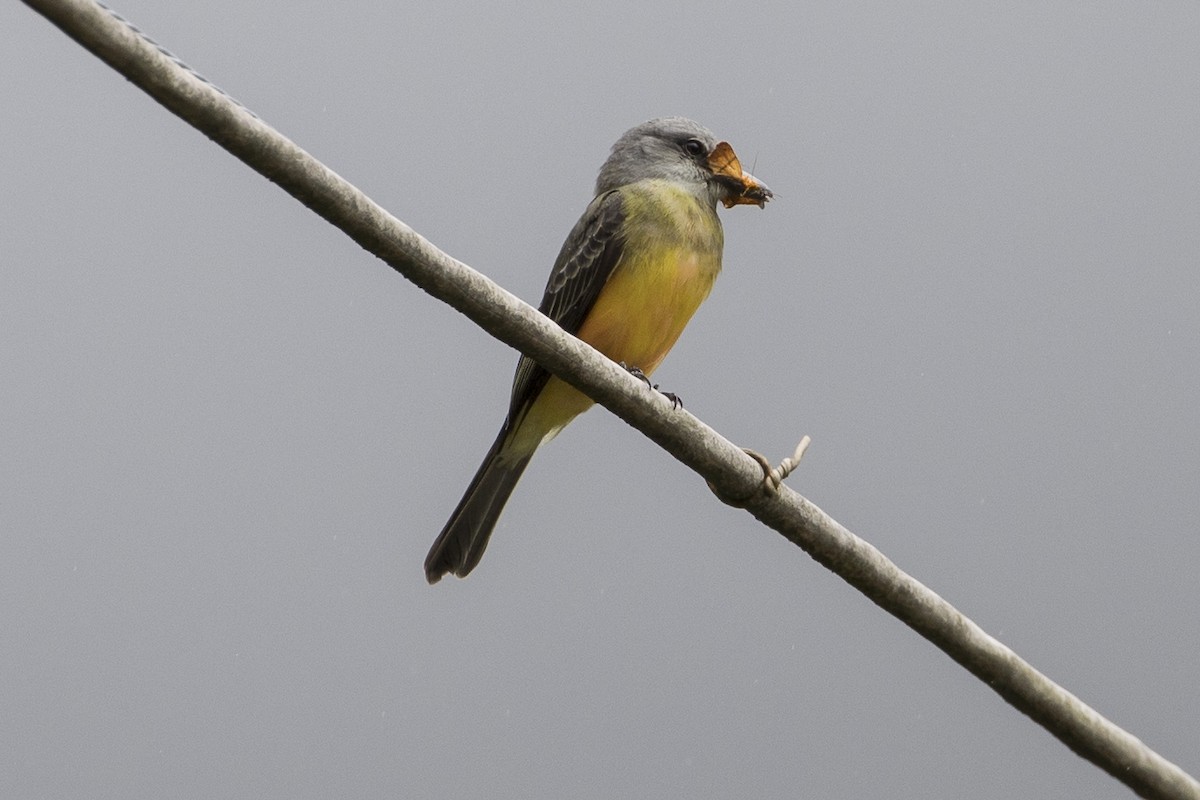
x=672, y=254
x=645, y=306
x=638, y=317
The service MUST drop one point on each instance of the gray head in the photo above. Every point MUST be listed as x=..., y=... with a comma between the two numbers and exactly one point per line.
x=682, y=151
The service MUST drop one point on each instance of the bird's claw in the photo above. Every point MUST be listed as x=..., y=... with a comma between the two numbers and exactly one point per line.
x=637, y=373
x=676, y=400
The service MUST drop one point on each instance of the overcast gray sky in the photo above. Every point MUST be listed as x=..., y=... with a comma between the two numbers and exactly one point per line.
x=229, y=436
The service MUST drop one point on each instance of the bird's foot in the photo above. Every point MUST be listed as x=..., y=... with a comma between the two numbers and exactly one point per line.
x=637, y=373
x=676, y=400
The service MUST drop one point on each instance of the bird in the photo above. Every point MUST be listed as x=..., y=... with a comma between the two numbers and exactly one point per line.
x=630, y=275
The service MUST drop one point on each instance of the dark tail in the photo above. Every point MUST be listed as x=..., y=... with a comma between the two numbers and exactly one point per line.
x=461, y=543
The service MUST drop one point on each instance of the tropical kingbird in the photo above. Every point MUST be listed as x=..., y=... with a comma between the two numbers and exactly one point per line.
x=633, y=270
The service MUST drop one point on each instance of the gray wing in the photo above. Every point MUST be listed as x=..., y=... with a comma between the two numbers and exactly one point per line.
x=588, y=256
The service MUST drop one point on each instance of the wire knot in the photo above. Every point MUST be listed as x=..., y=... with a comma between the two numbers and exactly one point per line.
x=773, y=477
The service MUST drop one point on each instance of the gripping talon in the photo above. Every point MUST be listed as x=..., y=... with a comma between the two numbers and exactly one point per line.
x=637, y=373
x=676, y=400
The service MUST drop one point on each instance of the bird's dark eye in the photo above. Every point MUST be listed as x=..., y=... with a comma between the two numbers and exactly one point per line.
x=694, y=147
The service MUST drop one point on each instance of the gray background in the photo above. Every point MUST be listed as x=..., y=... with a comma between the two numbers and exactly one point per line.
x=229, y=436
